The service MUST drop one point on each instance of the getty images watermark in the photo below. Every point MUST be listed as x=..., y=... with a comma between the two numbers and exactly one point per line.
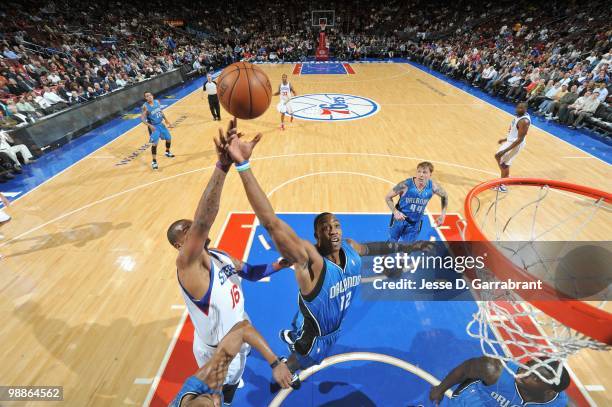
x=435, y=272
x=464, y=270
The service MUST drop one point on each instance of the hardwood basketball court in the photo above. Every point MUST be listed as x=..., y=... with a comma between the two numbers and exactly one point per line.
x=89, y=293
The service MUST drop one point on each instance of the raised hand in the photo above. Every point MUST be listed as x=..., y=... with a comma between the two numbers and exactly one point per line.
x=239, y=149
x=222, y=141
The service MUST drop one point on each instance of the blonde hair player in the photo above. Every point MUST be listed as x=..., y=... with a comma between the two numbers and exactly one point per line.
x=414, y=195
x=4, y=218
x=285, y=90
x=513, y=143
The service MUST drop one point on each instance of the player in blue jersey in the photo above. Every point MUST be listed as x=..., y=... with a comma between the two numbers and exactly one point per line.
x=484, y=382
x=153, y=116
x=203, y=389
x=328, y=272
x=414, y=195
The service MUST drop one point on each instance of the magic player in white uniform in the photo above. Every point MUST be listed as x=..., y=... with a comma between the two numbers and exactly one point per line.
x=513, y=143
x=209, y=278
x=285, y=90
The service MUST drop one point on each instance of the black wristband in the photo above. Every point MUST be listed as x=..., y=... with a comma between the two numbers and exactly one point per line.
x=277, y=362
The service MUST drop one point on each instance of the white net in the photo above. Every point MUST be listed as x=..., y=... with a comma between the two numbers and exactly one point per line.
x=509, y=328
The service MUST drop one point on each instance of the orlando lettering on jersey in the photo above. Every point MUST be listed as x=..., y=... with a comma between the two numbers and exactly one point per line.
x=344, y=285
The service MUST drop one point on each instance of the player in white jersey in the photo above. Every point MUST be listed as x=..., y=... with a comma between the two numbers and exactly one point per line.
x=209, y=279
x=4, y=218
x=513, y=143
x=285, y=90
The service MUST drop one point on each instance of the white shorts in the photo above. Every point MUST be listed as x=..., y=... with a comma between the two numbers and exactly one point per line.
x=4, y=216
x=284, y=106
x=203, y=353
x=510, y=155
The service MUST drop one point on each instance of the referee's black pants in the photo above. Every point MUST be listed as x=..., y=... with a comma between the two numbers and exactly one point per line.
x=213, y=103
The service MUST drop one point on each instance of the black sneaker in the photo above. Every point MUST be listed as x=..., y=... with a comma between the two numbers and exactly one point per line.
x=286, y=336
x=296, y=383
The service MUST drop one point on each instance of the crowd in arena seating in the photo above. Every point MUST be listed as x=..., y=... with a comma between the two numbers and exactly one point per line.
x=558, y=59
x=555, y=56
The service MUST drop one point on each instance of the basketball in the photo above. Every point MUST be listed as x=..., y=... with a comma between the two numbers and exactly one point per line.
x=244, y=90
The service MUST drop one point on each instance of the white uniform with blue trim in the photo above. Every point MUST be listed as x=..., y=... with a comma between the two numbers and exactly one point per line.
x=216, y=313
x=284, y=106
x=511, y=138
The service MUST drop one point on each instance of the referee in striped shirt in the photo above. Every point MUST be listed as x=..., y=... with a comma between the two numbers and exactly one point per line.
x=210, y=88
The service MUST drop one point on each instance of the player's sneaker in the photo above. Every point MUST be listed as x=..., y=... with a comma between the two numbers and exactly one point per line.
x=154, y=165
x=282, y=126
x=296, y=383
x=169, y=154
x=286, y=336
x=500, y=188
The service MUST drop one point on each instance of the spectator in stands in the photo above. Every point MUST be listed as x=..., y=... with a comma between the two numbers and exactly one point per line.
x=603, y=92
x=43, y=104
x=576, y=106
x=56, y=102
x=9, y=54
x=121, y=82
x=7, y=122
x=515, y=86
x=602, y=76
x=576, y=116
x=549, y=100
x=25, y=107
x=563, y=103
x=7, y=148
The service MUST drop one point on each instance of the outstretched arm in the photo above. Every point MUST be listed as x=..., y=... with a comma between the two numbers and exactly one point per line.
x=438, y=190
x=381, y=248
x=214, y=371
x=307, y=261
x=207, y=210
x=258, y=271
x=286, y=240
x=399, y=189
x=483, y=368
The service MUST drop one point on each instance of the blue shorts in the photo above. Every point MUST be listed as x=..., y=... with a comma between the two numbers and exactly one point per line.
x=405, y=231
x=320, y=347
x=194, y=386
x=161, y=132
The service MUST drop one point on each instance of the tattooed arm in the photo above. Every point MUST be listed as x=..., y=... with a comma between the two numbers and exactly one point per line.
x=438, y=190
x=206, y=212
x=399, y=189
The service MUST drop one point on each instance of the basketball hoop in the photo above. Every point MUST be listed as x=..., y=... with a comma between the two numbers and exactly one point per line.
x=527, y=330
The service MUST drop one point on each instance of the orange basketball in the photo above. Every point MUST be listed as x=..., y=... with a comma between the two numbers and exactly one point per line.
x=244, y=90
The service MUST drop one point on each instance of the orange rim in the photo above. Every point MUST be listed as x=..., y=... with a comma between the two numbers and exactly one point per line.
x=578, y=315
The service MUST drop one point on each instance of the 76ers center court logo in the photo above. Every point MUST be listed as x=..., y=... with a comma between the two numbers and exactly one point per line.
x=332, y=107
